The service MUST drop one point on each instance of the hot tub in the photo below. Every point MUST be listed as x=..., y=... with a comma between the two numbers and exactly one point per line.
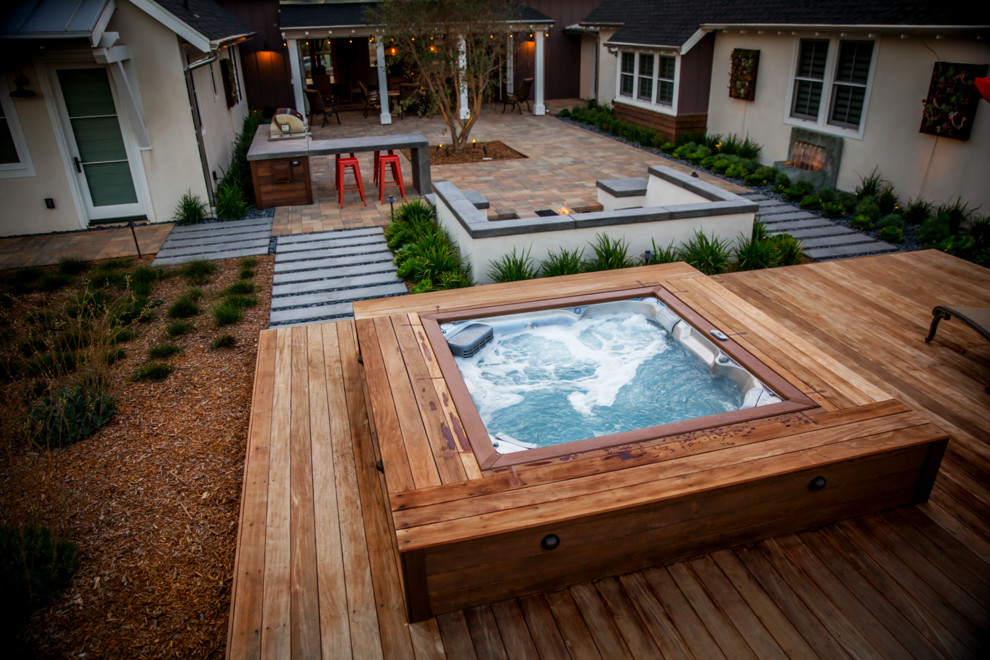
x=534, y=382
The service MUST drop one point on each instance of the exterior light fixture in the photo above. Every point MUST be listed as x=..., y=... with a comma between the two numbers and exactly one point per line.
x=20, y=84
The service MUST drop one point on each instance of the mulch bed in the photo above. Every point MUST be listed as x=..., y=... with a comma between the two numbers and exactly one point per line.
x=152, y=498
x=477, y=152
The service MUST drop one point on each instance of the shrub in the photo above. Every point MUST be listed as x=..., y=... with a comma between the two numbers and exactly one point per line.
x=227, y=313
x=891, y=220
x=736, y=171
x=183, y=307
x=163, y=351
x=123, y=335
x=241, y=301
x=959, y=245
x=794, y=193
x=720, y=165
x=833, y=209
x=513, y=267
x=190, y=210
x=663, y=255
x=869, y=208
x=129, y=308
x=112, y=355
x=73, y=338
x=143, y=280
x=827, y=195
x=871, y=185
x=958, y=213
x=564, y=113
x=178, y=328
x=811, y=202
x=52, y=365
x=917, y=211
x=249, y=262
x=934, y=230
x=223, y=341
x=241, y=288
x=756, y=250
x=231, y=204
x=153, y=372
x=428, y=258
x=72, y=266
x=609, y=254
x=861, y=222
x=71, y=414
x=887, y=201
x=847, y=199
x=980, y=231
x=246, y=274
x=710, y=255
x=892, y=234
x=411, y=221
x=198, y=271
x=782, y=180
x=54, y=281
x=789, y=249
x=667, y=148
x=562, y=262
x=36, y=567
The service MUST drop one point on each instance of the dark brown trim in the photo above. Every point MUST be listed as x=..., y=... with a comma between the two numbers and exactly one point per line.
x=417, y=597
x=929, y=472
x=793, y=399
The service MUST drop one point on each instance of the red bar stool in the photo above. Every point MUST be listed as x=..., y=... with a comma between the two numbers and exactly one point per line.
x=396, y=169
x=342, y=165
x=378, y=156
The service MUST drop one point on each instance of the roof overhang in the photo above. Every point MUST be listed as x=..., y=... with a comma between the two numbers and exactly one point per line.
x=198, y=40
x=58, y=19
x=832, y=27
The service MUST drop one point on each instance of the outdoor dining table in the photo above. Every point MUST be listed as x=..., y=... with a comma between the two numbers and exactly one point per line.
x=280, y=168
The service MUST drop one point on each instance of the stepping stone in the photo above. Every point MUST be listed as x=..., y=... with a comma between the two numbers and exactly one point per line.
x=327, y=273
x=282, y=257
x=834, y=230
x=209, y=248
x=755, y=197
x=221, y=228
x=174, y=242
x=859, y=249
x=345, y=295
x=790, y=215
x=311, y=314
x=305, y=238
x=330, y=262
x=830, y=241
x=215, y=240
x=331, y=243
x=212, y=256
x=335, y=284
x=799, y=224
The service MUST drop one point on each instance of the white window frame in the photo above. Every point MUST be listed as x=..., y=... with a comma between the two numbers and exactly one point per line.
x=652, y=104
x=821, y=124
x=24, y=167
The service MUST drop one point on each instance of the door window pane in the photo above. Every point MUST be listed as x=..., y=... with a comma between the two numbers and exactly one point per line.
x=110, y=183
x=99, y=139
x=86, y=92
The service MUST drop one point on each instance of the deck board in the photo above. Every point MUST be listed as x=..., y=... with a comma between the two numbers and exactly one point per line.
x=316, y=571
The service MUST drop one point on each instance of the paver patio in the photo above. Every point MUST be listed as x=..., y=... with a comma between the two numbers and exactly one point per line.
x=562, y=164
x=21, y=251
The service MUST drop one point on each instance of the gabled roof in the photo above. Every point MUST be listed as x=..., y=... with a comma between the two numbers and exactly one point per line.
x=203, y=23
x=352, y=14
x=55, y=19
x=672, y=23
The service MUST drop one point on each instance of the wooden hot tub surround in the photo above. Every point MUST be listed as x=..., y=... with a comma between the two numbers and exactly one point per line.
x=468, y=534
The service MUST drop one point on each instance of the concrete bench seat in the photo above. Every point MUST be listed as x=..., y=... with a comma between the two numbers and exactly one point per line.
x=614, y=194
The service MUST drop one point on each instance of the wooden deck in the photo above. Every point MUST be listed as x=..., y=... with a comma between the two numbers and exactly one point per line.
x=317, y=572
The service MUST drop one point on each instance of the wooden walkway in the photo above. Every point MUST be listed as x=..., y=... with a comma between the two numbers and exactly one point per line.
x=316, y=570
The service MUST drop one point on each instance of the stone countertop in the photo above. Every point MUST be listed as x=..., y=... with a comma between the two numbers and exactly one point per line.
x=264, y=148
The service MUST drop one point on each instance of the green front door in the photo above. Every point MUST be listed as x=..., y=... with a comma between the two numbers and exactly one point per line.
x=100, y=157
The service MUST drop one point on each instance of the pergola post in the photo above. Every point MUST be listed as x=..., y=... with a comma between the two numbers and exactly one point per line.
x=383, y=99
x=538, y=106
x=465, y=112
x=295, y=73
x=510, y=65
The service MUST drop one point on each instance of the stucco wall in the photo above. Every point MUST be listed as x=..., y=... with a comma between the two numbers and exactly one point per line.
x=172, y=164
x=607, y=65
x=919, y=165
x=220, y=124
x=22, y=210
x=589, y=52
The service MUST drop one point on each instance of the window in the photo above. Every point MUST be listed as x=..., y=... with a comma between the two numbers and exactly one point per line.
x=849, y=88
x=836, y=72
x=15, y=160
x=665, y=80
x=809, y=80
x=645, y=77
x=627, y=75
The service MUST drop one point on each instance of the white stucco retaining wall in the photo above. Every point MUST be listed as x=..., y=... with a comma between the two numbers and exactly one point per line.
x=917, y=164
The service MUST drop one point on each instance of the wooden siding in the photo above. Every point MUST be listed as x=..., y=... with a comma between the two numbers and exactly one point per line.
x=913, y=581
x=264, y=59
x=562, y=52
x=696, y=78
x=670, y=127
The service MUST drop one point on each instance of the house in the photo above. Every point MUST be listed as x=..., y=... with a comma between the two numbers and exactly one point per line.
x=847, y=86
x=113, y=109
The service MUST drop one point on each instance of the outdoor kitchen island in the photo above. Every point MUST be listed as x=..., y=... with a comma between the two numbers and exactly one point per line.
x=280, y=169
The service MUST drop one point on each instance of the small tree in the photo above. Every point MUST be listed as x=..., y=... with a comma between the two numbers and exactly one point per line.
x=451, y=43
